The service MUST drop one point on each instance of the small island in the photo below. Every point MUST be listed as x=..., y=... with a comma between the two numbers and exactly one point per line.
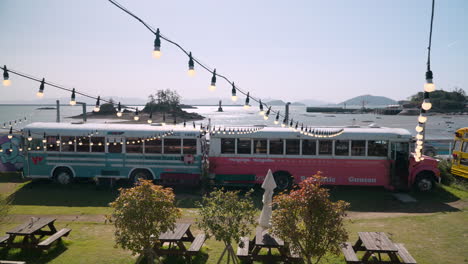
x=163, y=107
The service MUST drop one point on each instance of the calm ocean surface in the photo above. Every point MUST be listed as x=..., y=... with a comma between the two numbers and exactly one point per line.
x=438, y=127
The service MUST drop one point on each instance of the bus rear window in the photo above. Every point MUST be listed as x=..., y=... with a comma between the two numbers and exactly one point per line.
x=68, y=144
x=243, y=146
x=83, y=144
x=97, y=144
x=309, y=147
x=292, y=146
x=358, y=148
x=134, y=145
x=52, y=143
x=172, y=146
x=341, y=147
x=153, y=146
x=325, y=147
x=377, y=148
x=276, y=146
x=260, y=146
x=189, y=146
x=227, y=145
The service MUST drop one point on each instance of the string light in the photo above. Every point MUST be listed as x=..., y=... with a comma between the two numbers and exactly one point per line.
x=119, y=110
x=267, y=114
x=97, y=107
x=44, y=138
x=426, y=104
x=277, y=118
x=247, y=100
x=213, y=81
x=422, y=118
x=150, y=119
x=6, y=76
x=419, y=128
x=157, y=46
x=429, y=85
x=191, y=64
x=29, y=135
x=10, y=134
x=73, y=98
x=40, y=93
x=233, y=93
x=58, y=139
x=261, y=112
x=136, y=117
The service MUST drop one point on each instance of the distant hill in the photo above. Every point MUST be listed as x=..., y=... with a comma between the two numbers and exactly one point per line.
x=281, y=102
x=313, y=102
x=369, y=100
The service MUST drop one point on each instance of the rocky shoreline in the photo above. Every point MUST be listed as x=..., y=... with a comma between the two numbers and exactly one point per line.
x=128, y=117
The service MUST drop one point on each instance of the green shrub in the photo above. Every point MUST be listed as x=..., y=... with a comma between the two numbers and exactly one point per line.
x=446, y=176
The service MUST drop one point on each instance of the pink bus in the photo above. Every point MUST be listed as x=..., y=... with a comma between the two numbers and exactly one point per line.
x=366, y=156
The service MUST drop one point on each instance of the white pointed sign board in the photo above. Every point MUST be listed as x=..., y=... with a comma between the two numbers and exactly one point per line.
x=268, y=185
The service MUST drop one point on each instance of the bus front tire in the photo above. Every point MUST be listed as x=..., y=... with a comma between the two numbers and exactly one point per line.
x=424, y=182
x=138, y=175
x=63, y=176
x=283, y=180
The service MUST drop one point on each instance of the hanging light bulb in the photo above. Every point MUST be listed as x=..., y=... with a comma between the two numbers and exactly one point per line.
x=267, y=114
x=136, y=117
x=29, y=135
x=150, y=119
x=302, y=128
x=261, y=112
x=277, y=118
x=422, y=118
x=10, y=134
x=73, y=98
x=6, y=76
x=213, y=81
x=247, y=100
x=291, y=123
x=58, y=139
x=419, y=136
x=429, y=85
x=44, y=138
x=419, y=128
x=284, y=122
x=191, y=65
x=426, y=105
x=40, y=93
x=97, y=107
x=233, y=93
x=419, y=142
x=157, y=46
x=119, y=110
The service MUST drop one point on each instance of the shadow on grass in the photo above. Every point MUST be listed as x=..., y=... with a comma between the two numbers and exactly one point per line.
x=34, y=256
x=200, y=258
x=11, y=177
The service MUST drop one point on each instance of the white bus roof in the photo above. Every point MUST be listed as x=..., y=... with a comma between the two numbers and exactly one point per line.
x=354, y=133
x=128, y=130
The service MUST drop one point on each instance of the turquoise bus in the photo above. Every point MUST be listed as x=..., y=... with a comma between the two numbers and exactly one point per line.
x=66, y=151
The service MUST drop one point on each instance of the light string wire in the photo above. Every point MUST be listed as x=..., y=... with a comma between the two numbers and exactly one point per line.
x=207, y=68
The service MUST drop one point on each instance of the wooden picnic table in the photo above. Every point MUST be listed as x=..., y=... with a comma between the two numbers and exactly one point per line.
x=174, y=240
x=376, y=243
x=263, y=240
x=32, y=232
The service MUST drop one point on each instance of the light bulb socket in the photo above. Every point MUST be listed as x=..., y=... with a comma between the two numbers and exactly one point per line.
x=6, y=76
x=213, y=79
x=157, y=41
x=429, y=76
x=191, y=64
x=233, y=90
x=41, y=87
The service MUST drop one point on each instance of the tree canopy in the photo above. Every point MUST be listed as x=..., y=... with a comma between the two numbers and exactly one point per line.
x=142, y=213
x=443, y=101
x=309, y=221
x=164, y=101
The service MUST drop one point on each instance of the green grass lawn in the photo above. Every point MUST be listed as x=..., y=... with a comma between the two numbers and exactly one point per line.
x=433, y=230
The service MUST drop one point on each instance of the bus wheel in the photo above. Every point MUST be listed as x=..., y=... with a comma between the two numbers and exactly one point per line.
x=283, y=180
x=138, y=175
x=424, y=182
x=63, y=176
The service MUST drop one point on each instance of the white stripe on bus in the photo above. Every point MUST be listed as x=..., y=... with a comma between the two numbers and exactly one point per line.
x=79, y=164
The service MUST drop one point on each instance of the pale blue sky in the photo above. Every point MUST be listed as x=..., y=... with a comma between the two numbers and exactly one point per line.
x=327, y=50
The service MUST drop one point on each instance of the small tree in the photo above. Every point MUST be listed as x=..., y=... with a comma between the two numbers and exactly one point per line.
x=309, y=221
x=142, y=213
x=227, y=217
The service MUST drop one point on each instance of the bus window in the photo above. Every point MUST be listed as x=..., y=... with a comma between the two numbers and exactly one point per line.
x=342, y=147
x=227, y=145
x=325, y=147
x=68, y=144
x=260, y=146
x=292, y=146
x=190, y=146
x=153, y=146
x=377, y=148
x=309, y=147
x=83, y=144
x=172, y=146
x=134, y=145
x=114, y=146
x=358, y=148
x=243, y=146
x=97, y=144
x=465, y=147
x=52, y=143
x=456, y=145
x=276, y=146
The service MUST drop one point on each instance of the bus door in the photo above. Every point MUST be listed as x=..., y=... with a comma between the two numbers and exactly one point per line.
x=114, y=158
x=400, y=168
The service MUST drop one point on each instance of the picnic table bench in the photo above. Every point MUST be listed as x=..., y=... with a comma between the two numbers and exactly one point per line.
x=249, y=250
x=376, y=243
x=32, y=232
x=174, y=240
